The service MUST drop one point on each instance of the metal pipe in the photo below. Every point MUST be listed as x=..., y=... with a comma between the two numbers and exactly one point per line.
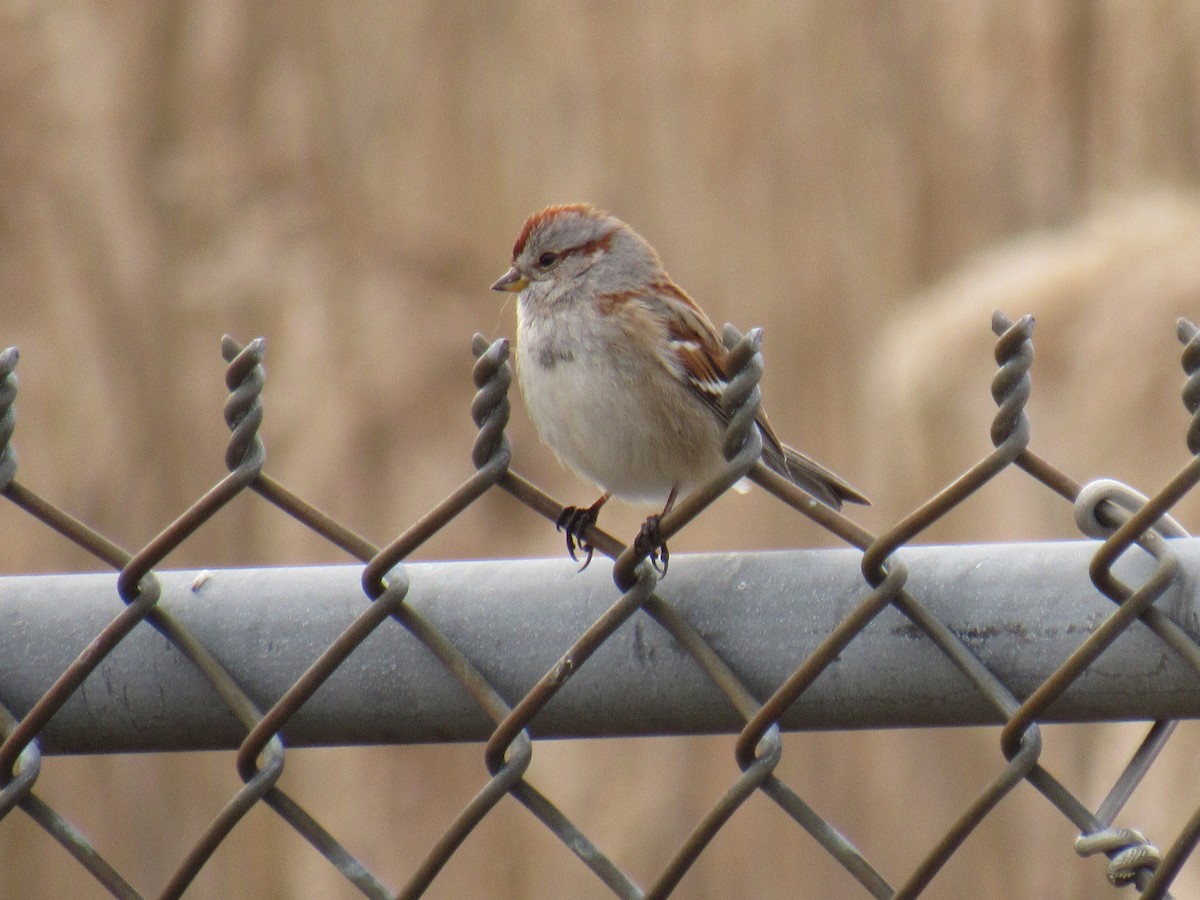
x=1022, y=608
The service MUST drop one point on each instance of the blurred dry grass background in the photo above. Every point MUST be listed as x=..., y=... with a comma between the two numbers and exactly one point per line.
x=866, y=181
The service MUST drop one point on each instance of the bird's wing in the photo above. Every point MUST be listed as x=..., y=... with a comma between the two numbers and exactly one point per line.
x=698, y=354
x=701, y=358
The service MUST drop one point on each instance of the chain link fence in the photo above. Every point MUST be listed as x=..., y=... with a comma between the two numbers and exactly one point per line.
x=765, y=686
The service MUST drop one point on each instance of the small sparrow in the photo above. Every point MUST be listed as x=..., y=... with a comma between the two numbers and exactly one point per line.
x=622, y=372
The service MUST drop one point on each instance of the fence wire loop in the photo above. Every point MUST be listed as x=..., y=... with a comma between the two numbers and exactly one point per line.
x=1092, y=519
x=1130, y=854
x=1112, y=513
x=16, y=785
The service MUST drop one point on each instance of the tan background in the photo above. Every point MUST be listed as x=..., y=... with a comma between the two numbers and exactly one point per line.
x=866, y=181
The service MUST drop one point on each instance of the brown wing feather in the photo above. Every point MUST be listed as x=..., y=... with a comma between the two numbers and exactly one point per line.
x=702, y=358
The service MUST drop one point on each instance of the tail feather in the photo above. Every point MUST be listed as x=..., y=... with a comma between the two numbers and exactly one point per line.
x=823, y=484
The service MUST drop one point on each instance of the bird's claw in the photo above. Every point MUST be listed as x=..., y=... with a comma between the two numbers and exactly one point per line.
x=575, y=521
x=650, y=544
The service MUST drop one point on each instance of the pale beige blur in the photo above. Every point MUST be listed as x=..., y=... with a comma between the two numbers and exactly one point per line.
x=347, y=181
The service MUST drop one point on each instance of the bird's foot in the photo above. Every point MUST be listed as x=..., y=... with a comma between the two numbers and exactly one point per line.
x=650, y=544
x=575, y=521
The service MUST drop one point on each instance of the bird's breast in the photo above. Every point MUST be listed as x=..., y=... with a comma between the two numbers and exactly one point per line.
x=622, y=424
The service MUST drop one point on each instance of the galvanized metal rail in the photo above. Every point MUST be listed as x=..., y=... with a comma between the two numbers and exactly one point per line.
x=1021, y=608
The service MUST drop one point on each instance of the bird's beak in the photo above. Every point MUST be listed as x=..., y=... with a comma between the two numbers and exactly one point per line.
x=511, y=281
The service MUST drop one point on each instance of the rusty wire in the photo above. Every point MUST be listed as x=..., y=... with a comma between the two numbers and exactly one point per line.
x=1110, y=513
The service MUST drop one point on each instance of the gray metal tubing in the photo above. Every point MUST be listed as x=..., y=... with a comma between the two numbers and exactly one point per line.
x=1021, y=607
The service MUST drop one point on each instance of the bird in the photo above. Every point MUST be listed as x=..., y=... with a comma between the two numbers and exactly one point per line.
x=622, y=373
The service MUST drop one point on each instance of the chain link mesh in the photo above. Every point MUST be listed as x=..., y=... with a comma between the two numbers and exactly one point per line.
x=1115, y=516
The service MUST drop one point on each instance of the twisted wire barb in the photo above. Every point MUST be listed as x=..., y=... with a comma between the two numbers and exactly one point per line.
x=490, y=407
x=245, y=378
x=741, y=399
x=1012, y=383
x=8, y=415
x=1189, y=336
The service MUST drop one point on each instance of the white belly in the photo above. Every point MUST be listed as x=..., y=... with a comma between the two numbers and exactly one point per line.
x=639, y=451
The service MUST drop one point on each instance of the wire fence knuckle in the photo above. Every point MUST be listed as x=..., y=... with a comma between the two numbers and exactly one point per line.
x=662, y=637
x=490, y=409
x=1012, y=386
x=245, y=378
x=741, y=398
x=1189, y=336
x=8, y=415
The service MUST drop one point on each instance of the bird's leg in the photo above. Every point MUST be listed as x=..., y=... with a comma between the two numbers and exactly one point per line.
x=574, y=520
x=649, y=541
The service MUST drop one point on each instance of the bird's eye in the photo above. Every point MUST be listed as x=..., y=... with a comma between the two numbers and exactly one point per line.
x=547, y=259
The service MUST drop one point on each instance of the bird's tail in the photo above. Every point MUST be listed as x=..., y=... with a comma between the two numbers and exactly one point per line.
x=819, y=481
